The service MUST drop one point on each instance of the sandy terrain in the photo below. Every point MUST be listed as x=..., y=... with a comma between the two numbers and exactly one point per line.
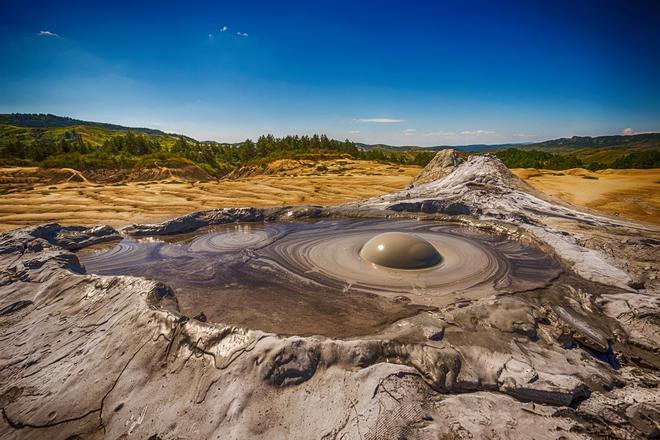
x=633, y=194
x=24, y=201
x=32, y=196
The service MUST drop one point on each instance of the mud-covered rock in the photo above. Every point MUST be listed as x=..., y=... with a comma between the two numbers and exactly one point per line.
x=522, y=381
x=292, y=364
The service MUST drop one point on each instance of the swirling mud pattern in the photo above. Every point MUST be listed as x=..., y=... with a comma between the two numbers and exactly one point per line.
x=311, y=278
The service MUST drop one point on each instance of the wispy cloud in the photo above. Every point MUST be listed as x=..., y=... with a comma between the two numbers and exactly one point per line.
x=462, y=134
x=440, y=134
x=409, y=132
x=380, y=120
x=354, y=131
x=523, y=135
x=628, y=131
x=48, y=34
x=478, y=133
x=224, y=29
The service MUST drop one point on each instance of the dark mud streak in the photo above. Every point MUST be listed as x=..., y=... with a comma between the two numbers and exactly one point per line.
x=20, y=425
x=14, y=307
x=114, y=384
x=234, y=356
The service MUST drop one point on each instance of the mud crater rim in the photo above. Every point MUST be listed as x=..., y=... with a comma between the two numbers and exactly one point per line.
x=311, y=278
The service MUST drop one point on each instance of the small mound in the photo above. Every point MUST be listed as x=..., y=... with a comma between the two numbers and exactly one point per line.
x=398, y=250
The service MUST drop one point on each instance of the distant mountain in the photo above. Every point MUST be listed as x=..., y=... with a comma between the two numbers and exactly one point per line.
x=479, y=147
x=637, y=141
x=645, y=140
x=385, y=147
x=40, y=120
x=472, y=147
x=600, y=150
x=33, y=127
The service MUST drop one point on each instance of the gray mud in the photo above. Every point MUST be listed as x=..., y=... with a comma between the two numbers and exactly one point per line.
x=308, y=278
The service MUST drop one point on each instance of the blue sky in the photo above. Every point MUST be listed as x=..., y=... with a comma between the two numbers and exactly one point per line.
x=413, y=72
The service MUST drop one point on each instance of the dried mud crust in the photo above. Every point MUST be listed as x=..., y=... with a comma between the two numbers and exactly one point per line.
x=112, y=356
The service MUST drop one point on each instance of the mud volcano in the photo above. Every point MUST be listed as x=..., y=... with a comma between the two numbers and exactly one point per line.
x=338, y=278
x=89, y=356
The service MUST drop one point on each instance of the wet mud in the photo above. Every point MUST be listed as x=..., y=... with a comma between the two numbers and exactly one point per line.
x=310, y=279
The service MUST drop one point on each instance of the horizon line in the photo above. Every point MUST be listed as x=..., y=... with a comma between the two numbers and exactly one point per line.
x=174, y=133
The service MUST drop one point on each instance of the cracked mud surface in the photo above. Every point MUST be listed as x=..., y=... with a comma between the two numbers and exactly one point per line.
x=104, y=356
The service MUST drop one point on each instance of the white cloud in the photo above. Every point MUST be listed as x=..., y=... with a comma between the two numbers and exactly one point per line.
x=242, y=34
x=462, y=134
x=523, y=135
x=440, y=134
x=224, y=29
x=628, y=131
x=477, y=133
x=380, y=120
x=354, y=131
x=48, y=34
x=409, y=132
x=211, y=37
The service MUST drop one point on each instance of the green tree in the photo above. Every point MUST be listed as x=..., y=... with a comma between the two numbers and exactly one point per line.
x=246, y=151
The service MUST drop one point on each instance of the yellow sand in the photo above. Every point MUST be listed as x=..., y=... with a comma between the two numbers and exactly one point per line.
x=31, y=196
x=633, y=194
x=85, y=203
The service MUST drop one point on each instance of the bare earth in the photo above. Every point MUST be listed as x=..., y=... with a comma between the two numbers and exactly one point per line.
x=633, y=194
x=74, y=201
x=32, y=196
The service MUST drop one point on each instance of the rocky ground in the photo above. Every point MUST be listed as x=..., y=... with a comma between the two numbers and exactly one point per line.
x=87, y=356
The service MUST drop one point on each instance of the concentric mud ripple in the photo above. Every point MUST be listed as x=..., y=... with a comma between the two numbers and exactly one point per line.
x=472, y=263
x=309, y=278
x=129, y=254
x=241, y=236
x=122, y=257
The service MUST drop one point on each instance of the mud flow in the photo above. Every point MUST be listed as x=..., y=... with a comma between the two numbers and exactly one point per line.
x=311, y=279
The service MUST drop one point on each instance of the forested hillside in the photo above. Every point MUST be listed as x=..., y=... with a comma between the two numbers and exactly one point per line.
x=85, y=148
x=518, y=158
x=41, y=120
x=54, y=141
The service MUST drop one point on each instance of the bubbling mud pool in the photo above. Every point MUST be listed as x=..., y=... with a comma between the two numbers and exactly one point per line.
x=322, y=278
